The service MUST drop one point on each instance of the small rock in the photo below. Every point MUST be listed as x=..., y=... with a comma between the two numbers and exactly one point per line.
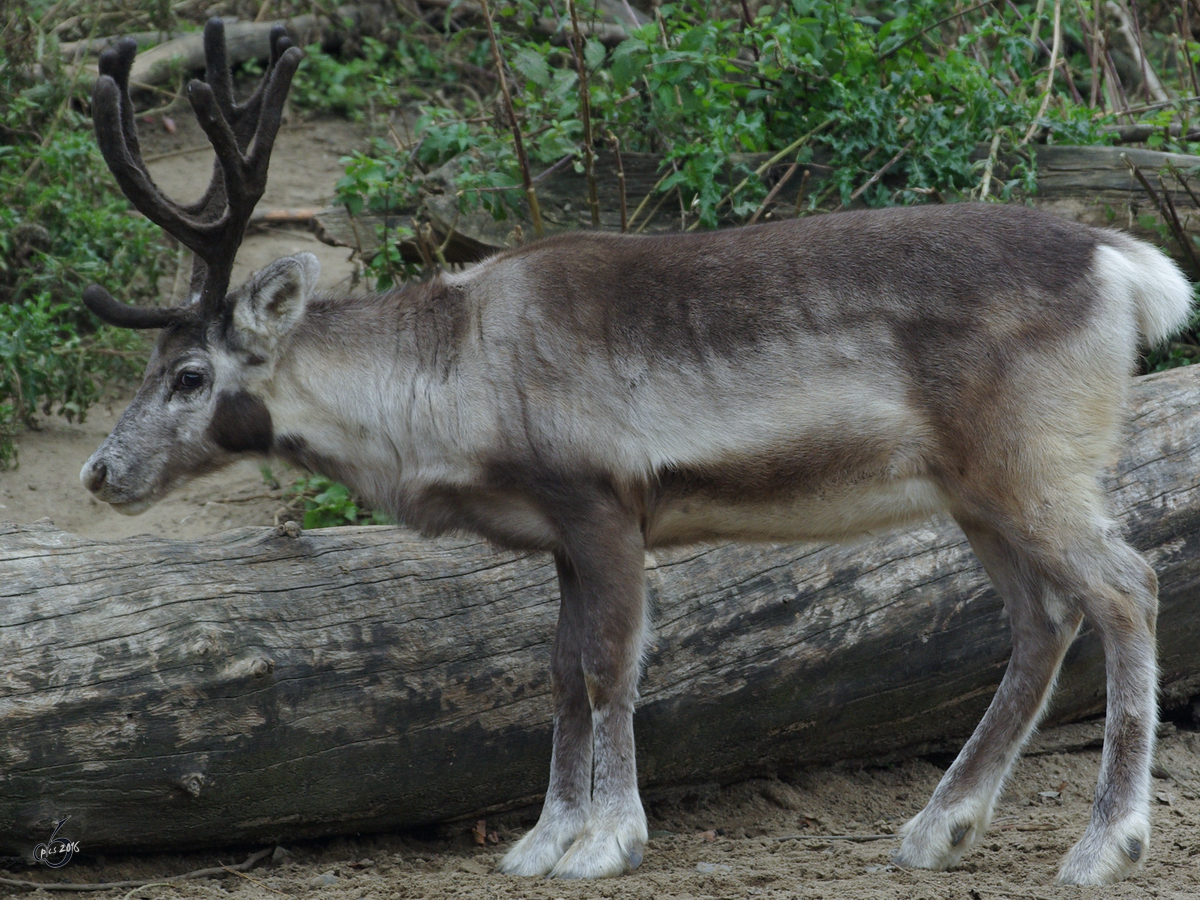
x=705, y=868
x=280, y=854
x=328, y=879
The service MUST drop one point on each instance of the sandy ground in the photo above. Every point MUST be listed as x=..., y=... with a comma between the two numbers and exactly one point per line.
x=825, y=833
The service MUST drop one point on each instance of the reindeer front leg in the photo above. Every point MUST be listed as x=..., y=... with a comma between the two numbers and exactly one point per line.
x=592, y=824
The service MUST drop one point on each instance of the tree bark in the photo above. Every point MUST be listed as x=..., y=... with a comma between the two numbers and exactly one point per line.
x=258, y=686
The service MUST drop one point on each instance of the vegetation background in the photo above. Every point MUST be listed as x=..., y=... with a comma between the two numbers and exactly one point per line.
x=906, y=102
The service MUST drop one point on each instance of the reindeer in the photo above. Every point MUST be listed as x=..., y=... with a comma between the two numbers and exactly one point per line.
x=594, y=396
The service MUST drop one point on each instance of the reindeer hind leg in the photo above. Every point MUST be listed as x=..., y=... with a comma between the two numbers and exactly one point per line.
x=960, y=809
x=1119, y=594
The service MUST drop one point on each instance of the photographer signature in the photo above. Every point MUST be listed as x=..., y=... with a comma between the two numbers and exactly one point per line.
x=57, y=852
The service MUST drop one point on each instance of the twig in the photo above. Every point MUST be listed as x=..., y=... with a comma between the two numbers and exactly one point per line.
x=1128, y=27
x=440, y=250
x=774, y=192
x=1118, y=87
x=800, y=194
x=985, y=186
x=1183, y=183
x=852, y=838
x=423, y=232
x=880, y=172
x=545, y=173
x=1167, y=210
x=1177, y=230
x=1185, y=26
x=112, y=885
x=1093, y=51
x=748, y=21
x=940, y=22
x=1134, y=134
x=535, y=212
x=1066, y=69
x=646, y=199
x=679, y=194
x=615, y=143
x=1057, y=45
x=786, y=151
x=1038, y=12
x=650, y=216
x=253, y=880
x=585, y=104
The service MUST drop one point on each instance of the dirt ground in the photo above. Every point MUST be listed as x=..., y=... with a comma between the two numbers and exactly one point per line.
x=826, y=833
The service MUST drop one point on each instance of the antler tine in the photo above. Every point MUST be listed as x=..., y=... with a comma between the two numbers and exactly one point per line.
x=116, y=61
x=131, y=174
x=217, y=74
x=275, y=91
x=243, y=119
x=112, y=311
x=242, y=138
x=244, y=176
x=216, y=64
x=248, y=113
x=116, y=132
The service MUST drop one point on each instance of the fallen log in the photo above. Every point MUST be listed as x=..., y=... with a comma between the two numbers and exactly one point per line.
x=1093, y=185
x=183, y=53
x=261, y=685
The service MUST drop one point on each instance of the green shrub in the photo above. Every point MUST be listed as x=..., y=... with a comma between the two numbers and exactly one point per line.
x=328, y=504
x=701, y=87
x=62, y=226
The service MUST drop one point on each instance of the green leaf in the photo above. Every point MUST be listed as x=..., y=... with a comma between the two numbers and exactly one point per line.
x=628, y=61
x=594, y=54
x=533, y=66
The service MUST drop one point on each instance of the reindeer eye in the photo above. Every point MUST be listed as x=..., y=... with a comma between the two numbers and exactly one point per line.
x=188, y=380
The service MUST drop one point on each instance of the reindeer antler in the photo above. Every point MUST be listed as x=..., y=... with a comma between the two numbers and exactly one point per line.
x=242, y=136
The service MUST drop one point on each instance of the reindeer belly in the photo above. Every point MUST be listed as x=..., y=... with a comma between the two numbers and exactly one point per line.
x=835, y=513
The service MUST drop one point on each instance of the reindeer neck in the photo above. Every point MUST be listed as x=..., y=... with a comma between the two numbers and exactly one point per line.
x=366, y=390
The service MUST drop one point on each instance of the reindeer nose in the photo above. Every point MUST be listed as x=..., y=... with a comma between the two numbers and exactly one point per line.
x=94, y=475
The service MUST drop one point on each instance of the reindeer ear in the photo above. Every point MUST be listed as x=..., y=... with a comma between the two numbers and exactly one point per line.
x=272, y=300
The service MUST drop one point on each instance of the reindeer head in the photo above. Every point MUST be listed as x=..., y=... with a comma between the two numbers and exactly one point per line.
x=194, y=411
